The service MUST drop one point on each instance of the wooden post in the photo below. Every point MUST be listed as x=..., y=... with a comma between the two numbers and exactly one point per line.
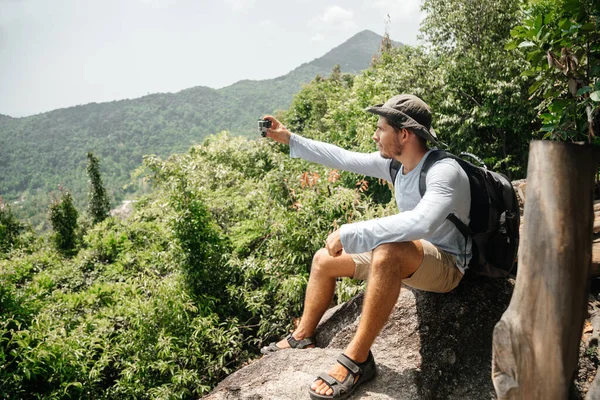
x=536, y=342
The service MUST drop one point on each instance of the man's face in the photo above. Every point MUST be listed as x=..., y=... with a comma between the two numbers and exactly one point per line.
x=387, y=139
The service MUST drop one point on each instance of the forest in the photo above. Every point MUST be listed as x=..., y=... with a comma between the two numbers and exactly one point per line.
x=214, y=260
x=40, y=152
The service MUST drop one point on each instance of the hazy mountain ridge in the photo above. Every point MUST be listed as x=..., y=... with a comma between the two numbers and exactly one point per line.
x=41, y=151
x=5, y=118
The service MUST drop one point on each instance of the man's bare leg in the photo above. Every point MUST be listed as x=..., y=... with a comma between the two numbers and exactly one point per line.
x=391, y=263
x=319, y=292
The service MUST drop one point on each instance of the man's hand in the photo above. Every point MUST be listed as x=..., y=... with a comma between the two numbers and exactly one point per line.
x=277, y=131
x=333, y=244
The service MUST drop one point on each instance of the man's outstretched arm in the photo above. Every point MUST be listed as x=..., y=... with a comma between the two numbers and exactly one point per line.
x=370, y=164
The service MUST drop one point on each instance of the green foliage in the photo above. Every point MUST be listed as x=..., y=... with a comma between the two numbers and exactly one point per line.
x=275, y=213
x=10, y=229
x=481, y=102
x=468, y=27
x=98, y=204
x=208, y=269
x=63, y=216
x=562, y=42
x=205, y=247
x=116, y=321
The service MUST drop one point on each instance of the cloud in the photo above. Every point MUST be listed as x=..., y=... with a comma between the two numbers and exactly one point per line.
x=319, y=37
x=266, y=23
x=407, y=10
x=239, y=5
x=335, y=18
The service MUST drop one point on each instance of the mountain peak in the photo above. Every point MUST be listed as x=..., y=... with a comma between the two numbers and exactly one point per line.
x=360, y=47
x=367, y=33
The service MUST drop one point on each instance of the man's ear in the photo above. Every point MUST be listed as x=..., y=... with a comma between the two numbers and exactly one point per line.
x=405, y=133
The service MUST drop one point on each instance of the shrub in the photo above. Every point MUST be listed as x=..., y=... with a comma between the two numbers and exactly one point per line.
x=10, y=229
x=63, y=216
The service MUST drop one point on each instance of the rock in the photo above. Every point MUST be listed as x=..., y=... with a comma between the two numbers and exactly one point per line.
x=434, y=346
x=342, y=315
x=124, y=210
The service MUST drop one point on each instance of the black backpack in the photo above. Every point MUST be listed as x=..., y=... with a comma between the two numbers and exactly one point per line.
x=494, y=214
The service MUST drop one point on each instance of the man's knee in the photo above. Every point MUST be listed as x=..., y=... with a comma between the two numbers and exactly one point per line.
x=326, y=266
x=401, y=258
x=319, y=263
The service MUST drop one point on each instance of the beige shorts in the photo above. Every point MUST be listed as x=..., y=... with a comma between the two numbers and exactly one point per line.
x=437, y=273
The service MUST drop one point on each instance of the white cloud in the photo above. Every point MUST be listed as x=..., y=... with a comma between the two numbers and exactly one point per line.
x=239, y=5
x=335, y=18
x=266, y=23
x=406, y=10
x=336, y=14
x=319, y=37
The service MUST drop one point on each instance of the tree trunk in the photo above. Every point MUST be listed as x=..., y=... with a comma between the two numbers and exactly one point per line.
x=535, y=345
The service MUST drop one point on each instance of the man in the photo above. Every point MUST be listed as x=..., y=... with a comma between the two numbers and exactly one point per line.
x=418, y=247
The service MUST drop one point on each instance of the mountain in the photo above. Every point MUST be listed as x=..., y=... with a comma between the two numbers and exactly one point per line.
x=354, y=52
x=39, y=152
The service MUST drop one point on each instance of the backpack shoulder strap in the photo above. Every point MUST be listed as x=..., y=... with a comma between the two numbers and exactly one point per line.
x=394, y=168
x=433, y=157
x=464, y=229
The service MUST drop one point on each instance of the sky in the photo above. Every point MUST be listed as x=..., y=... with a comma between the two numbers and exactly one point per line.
x=62, y=53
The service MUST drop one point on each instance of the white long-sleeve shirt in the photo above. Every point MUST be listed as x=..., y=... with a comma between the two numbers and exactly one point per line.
x=448, y=191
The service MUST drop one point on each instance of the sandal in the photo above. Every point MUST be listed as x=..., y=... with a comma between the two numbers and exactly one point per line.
x=341, y=390
x=294, y=344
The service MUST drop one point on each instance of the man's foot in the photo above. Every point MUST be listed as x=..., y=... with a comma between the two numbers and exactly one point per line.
x=337, y=384
x=290, y=341
x=339, y=372
x=285, y=344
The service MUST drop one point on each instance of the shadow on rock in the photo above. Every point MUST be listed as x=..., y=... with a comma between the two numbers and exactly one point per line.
x=456, y=338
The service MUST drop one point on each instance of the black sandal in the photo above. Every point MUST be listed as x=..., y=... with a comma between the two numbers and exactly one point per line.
x=341, y=390
x=294, y=344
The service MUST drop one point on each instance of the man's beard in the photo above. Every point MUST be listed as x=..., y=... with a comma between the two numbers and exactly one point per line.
x=396, y=151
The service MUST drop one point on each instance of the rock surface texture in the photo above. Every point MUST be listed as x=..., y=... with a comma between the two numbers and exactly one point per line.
x=434, y=346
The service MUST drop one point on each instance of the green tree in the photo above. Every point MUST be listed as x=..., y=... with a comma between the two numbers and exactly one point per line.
x=205, y=247
x=472, y=28
x=482, y=105
x=63, y=216
x=562, y=41
x=98, y=205
x=10, y=228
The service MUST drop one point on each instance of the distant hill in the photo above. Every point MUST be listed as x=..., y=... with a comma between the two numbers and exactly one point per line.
x=39, y=152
